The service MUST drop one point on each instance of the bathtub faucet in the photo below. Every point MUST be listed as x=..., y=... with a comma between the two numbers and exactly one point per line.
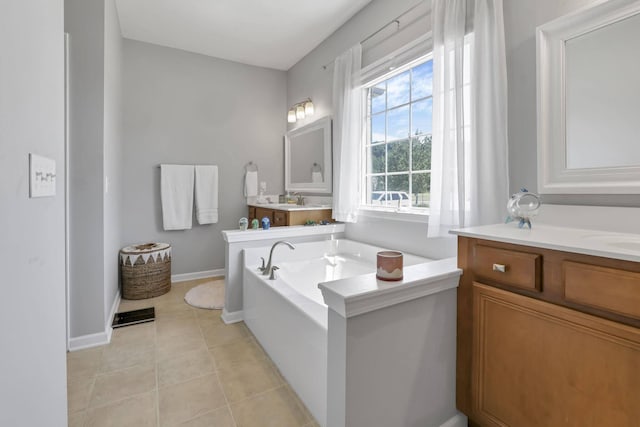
x=267, y=269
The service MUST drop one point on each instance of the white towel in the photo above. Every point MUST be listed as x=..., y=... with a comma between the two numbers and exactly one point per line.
x=207, y=194
x=176, y=193
x=251, y=184
x=316, y=177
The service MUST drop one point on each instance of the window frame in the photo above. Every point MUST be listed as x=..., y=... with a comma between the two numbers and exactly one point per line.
x=412, y=214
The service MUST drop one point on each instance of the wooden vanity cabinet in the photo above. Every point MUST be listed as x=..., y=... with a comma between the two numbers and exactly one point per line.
x=547, y=338
x=281, y=217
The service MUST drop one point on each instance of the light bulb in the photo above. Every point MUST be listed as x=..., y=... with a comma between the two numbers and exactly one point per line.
x=291, y=116
x=309, y=108
x=300, y=112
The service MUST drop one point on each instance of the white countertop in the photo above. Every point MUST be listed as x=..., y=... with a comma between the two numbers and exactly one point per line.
x=232, y=236
x=624, y=246
x=361, y=294
x=291, y=207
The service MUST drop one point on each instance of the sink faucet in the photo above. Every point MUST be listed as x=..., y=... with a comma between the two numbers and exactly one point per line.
x=300, y=201
x=267, y=269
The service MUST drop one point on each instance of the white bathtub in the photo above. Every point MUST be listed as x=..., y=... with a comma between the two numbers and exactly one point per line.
x=288, y=315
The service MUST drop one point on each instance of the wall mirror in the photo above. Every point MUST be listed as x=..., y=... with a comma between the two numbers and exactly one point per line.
x=307, y=158
x=589, y=101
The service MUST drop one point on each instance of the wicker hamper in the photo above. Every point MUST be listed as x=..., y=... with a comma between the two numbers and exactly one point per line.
x=145, y=270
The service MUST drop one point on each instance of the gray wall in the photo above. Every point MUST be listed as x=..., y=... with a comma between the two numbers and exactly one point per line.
x=84, y=21
x=95, y=141
x=521, y=19
x=308, y=79
x=185, y=108
x=33, y=368
x=113, y=156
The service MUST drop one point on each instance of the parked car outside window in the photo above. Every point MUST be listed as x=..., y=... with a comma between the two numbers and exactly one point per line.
x=390, y=198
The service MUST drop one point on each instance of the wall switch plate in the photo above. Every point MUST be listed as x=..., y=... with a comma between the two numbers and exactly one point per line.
x=42, y=176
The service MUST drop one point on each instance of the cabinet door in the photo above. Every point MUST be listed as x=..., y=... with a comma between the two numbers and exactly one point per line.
x=252, y=214
x=538, y=364
x=280, y=218
x=262, y=212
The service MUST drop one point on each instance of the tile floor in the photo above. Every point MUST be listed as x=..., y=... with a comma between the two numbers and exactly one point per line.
x=185, y=369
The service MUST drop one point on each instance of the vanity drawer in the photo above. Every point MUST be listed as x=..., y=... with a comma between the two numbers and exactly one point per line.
x=280, y=218
x=508, y=267
x=605, y=288
x=262, y=213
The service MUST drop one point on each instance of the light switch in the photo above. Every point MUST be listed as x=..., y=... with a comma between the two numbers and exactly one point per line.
x=42, y=176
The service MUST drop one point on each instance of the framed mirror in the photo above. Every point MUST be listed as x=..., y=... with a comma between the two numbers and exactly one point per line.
x=589, y=101
x=307, y=158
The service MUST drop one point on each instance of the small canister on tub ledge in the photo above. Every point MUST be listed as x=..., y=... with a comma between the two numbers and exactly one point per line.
x=389, y=266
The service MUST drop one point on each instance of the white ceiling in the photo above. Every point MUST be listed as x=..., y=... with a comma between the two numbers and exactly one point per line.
x=266, y=33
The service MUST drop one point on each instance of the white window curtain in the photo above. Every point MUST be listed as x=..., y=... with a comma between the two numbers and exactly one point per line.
x=347, y=123
x=469, y=171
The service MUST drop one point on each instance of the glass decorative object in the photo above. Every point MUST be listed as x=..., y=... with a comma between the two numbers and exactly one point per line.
x=522, y=206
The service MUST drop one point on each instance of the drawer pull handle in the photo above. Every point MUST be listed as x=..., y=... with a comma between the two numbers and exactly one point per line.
x=500, y=268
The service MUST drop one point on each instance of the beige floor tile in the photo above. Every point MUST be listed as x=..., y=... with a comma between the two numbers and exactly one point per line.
x=84, y=363
x=128, y=355
x=294, y=397
x=118, y=385
x=205, y=314
x=245, y=379
x=136, y=411
x=170, y=347
x=217, y=333
x=77, y=419
x=118, y=381
x=245, y=350
x=137, y=304
x=138, y=334
x=174, y=310
x=168, y=328
x=218, y=418
x=78, y=393
x=184, y=401
x=184, y=366
x=274, y=408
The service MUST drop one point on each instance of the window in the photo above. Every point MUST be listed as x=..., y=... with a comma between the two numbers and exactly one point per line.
x=397, y=146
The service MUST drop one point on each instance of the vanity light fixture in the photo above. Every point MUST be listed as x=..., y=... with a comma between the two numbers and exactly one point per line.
x=309, y=109
x=300, y=111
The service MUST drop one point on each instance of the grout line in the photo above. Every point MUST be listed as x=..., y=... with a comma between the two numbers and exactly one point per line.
x=113, y=402
x=226, y=399
x=155, y=350
x=215, y=372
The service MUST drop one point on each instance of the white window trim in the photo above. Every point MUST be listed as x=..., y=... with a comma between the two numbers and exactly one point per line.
x=395, y=214
x=413, y=215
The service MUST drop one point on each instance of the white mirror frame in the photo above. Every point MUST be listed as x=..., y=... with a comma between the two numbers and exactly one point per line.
x=310, y=187
x=553, y=175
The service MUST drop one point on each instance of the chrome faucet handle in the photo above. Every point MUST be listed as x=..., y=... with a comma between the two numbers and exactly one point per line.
x=273, y=272
x=262, y=268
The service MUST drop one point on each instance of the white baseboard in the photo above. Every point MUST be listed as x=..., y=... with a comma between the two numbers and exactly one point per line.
x=458, y=420
x=197, y=275
x=112, y=313
x=100, y=338
x=232, y=317
x=88, y=341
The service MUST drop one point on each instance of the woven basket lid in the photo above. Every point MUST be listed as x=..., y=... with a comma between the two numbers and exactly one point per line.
x=144, y=248
x=155, y=251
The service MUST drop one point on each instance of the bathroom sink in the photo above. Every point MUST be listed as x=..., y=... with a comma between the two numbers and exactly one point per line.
x=621, y=241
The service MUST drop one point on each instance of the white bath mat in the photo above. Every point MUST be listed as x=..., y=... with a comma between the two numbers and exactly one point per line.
x=208, y=295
